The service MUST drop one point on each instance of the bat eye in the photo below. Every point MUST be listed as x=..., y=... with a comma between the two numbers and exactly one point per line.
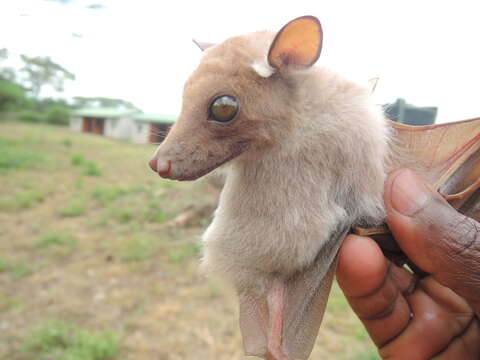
x=224, y=108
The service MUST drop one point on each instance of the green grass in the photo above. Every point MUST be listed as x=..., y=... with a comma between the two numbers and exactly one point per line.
x=108, y=194
x=183, y=253
x=67, y=143
x=122, y=215
x=368, y=355
x=19, y=269
x=4, y=264
x=153, y=212
x=89, y=168
x=22, y=200
x=14, y=155
x=78, y=184
x=139, y=248
x=28, y=198
x=361, y=334
x=55, y=239
x=64, y=341
x=92, y=169
x=10, y=302
x=73, y=208
x=213, y=289
x=77, y=159
x=123, y=208
x=338, y=304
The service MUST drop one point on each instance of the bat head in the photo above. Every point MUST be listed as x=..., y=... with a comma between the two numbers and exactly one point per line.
x=238, y=99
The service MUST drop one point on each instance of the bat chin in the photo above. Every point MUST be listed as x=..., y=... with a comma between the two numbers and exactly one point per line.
x=189, y=174
x=192, y=176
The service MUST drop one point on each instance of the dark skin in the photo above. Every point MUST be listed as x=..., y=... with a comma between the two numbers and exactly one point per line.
x=436, y=317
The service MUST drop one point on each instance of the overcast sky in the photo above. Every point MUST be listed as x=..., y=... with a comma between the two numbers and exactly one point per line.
x=427, y=52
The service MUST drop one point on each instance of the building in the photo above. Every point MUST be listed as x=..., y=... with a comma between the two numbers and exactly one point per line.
x=125, y=124
x=111, y=122
x=408, y=114
x=151, y=128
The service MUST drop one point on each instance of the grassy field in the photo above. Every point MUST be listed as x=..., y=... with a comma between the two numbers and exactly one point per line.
x=92, y=267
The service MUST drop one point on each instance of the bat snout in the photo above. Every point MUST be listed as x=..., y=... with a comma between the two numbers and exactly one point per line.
x=187, y=163
x=161, y=167
x=153, y=164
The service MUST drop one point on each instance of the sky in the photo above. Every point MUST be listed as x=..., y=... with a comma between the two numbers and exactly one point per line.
x=427, y=52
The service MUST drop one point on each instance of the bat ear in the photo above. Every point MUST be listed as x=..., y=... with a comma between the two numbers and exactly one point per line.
x=372, y=84
x=297, y=45
x=202, y=45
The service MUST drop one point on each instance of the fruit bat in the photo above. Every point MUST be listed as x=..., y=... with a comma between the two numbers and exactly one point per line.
x=306, y=153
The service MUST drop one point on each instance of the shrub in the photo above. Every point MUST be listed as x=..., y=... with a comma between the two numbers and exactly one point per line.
x=31, y=116
x=12, y=95
x=58, y=115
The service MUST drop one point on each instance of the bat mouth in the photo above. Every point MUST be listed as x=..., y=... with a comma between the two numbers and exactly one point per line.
x=186, y=176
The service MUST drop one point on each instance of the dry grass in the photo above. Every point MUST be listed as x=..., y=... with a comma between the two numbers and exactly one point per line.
x=83, y=241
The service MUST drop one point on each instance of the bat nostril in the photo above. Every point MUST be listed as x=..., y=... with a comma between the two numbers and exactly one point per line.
x=153, y=164
x=163, y=168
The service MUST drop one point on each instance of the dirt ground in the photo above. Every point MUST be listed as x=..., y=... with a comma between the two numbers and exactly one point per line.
x=85, y=239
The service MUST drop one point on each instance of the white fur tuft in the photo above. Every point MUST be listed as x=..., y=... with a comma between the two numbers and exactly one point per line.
x=263, y=70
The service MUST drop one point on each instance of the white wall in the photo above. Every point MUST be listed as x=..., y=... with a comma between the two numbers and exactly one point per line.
x=76, y=123
x=140, y=132
x=119, y=128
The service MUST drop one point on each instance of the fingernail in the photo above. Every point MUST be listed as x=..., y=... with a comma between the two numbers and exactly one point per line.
x=408, y=193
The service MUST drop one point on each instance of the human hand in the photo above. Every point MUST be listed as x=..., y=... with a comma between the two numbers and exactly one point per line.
x=436, y=317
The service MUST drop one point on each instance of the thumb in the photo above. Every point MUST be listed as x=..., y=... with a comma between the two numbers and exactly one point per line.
x=434, y=235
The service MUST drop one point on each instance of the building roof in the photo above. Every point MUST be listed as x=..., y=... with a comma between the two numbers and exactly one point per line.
x=156, y=118
x=104, y=112
x=402, y=112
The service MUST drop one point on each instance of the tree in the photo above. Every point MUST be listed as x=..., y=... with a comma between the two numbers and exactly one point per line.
x=12, y=95
x=64, y=2
x=6, y=72
x=41, y=71
x=3, y=54
x=95, y=6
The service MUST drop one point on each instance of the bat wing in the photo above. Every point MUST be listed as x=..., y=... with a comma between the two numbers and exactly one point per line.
x=306, y=302
x=449, y=156
x=305, y=299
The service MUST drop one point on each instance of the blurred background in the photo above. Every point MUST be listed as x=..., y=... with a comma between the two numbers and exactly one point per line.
x=98, y=255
